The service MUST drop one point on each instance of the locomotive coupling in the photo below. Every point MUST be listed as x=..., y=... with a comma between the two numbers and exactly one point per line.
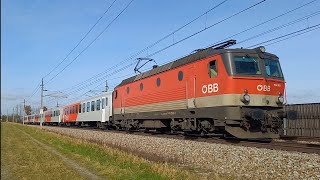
x=255, y=114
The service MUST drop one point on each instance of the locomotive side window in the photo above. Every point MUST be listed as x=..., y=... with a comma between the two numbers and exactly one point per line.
x=102, y=103
x=213, y=70
x=92, y=105
x=98, y=104
x=88, y=106
x=141, y=86
x=180, y=75
x=158, y=82
x=128, y=90
x=84, y=107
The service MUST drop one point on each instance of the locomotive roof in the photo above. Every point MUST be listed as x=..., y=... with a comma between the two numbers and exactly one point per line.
x=186, y=60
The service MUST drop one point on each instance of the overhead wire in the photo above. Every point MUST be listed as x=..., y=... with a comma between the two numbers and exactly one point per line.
x=248, y=29
x=267, y=21
x=206, y=28
x=279, y=27
x=126, y=7
x=301, y=31
x=151, y=45
x=95, y=24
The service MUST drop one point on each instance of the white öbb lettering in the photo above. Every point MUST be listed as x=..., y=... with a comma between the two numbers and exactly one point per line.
x=261, y=87
x=210, y=88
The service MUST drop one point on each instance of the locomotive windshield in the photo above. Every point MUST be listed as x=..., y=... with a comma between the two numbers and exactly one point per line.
x=273, y=68
x=246, y=65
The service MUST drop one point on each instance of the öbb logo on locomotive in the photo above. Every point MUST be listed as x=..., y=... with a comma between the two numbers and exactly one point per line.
x=214, y=91
x=210, y=88
x=261, y=87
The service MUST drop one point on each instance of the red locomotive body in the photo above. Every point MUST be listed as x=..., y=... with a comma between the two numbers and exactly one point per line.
x=236, y=92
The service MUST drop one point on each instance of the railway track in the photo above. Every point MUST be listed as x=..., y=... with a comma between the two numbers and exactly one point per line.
x=285, y=145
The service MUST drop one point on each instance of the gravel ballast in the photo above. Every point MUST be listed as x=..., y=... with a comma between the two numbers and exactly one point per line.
x=225, y=160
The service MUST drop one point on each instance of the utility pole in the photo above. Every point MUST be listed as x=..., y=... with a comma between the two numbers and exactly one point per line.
x=24, y=110
x=41, y=108
x=7, y=115
x=107, y=87
x=17, y=112
x=13, y=114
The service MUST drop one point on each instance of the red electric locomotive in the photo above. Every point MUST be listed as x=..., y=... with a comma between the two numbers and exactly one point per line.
x=237, y=92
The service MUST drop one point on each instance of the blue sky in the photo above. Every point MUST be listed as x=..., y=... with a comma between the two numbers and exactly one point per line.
x=37, y=34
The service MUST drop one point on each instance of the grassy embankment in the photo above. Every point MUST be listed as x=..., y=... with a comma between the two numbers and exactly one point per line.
x=22, y=158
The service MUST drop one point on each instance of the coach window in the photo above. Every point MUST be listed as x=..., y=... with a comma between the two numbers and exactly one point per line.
x=92, y=105
x=180, y=75
x=158, y=82
x=102, y=103
x=106, y=101
x=213, y=72
x=98, y=104
x=84, y=107
x=88, y=106
x=128, y=90
x=141, y=86
x=54, y=113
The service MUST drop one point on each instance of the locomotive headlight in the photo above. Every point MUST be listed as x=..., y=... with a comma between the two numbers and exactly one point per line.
x=245, y=98
x=262, y=49
x=280, y=99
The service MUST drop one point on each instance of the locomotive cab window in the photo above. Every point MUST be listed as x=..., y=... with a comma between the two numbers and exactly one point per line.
x=79, y=108
x=273, y=68
x=213, y=70
x=246, y=65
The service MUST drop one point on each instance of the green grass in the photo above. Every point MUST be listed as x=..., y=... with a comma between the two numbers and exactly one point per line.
x=21, y=158
x=104, y=161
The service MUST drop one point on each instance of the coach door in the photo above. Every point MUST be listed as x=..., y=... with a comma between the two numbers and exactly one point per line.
x=191, y=88
x=105, y=109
